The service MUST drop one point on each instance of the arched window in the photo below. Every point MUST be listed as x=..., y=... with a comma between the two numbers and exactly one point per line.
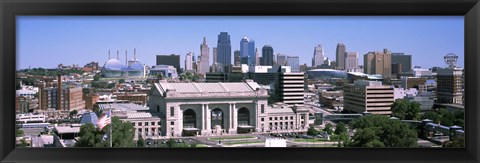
x=217, y=117
x=189, y=119
x=243, y=117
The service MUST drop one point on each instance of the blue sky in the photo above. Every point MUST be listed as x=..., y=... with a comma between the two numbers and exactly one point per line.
x=46, y=41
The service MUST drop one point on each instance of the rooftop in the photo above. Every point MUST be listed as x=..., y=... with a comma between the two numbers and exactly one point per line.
x=207, y=87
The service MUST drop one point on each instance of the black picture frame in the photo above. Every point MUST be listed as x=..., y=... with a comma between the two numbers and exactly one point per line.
x=9, y=9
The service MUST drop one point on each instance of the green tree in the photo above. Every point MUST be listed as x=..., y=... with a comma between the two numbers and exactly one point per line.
x=23, y=143
x=328, y=128
x=122, y=135
x=19, y=132
x=405, y=109
x=121, y=81
x=432, y=115
x=72, y=113
x=171, y=142
x=96, y=77
x=380, y=131
x=343, y=139
x=141, y=141
x=312, y=131
x=455, y=142
x=90, y=137
x=340, y=128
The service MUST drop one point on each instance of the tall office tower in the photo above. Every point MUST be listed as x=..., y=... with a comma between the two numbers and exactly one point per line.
x=368, y=96
x=244, y=50
x=293, y=62
x=267, y=55
x=224, y=49
x=405, y=61
x=449, y=86
x=378, y=63
x=340, y=56
x=189, y=61
x=173, y=60
x=204, y=58
x=317, y=56
x=257, y=57
x=251, y=53
x=237, y=58
x=351, y=62
x=214, y=55
x=290, y=87
x=281, y=59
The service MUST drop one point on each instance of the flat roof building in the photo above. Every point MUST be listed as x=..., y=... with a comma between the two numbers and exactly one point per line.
x=368, y=96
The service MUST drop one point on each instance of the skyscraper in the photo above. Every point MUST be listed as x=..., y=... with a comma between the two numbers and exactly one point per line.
x=405, y=61
x=251, y=53
x=237, y=58
x=224, y=49
x=317, y=56
x=281, y=60
x=204, y=58
x=189, y=61
x=340, y=56
x=244, y=50
x=450, y=85
x=351, y=62
x=257, y=57
x=214, y=55
x=293, y=62
x=378, y=63
x=267, y=55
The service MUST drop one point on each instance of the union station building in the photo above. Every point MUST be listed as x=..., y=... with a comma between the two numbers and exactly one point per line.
x=208, y=109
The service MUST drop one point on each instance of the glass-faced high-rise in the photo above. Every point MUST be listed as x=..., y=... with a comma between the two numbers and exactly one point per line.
x=247, y=51
x=224, y=49
x=267, y=55
x=244, y=50
x=294, y=63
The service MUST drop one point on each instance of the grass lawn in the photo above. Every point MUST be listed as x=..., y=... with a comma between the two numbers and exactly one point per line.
x=201, y=145
x=231, y=137
x=243, y=142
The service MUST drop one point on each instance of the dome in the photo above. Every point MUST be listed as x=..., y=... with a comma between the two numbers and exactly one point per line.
x=113, y=64
x=137, y=66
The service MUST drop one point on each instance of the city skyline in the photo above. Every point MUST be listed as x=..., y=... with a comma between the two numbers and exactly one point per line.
x=46, y=41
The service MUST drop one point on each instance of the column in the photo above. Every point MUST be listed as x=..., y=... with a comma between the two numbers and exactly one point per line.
x=203, y=118
x=230, y=111
x=208, y=119
x=180, y=122
x=235, y=116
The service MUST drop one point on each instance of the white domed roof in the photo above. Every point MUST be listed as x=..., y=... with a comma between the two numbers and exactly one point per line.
x=137, y=66
x=113, y=64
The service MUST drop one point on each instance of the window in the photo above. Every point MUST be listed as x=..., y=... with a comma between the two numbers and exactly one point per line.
x=270, y=118
x=262, y=108
x=262, y=119
x=159, y=123
x=291, y=117
x=133, y=124
x=172, y=109
x=158, y=108
x=139, y=123
x=276, y=118
x=281, y=118
x=172, y=123
x=140, y=130
x=146, y=123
